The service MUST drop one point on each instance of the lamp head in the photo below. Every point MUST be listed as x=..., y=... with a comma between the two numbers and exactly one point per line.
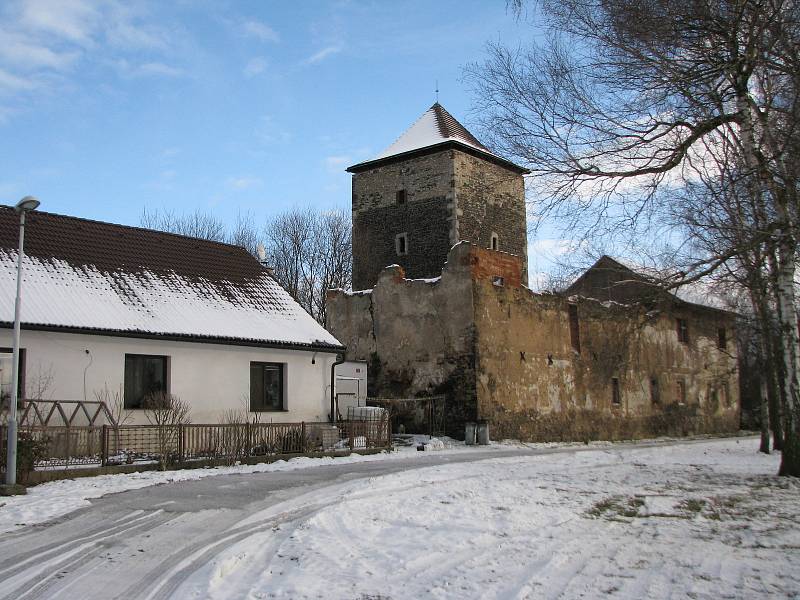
x=26, y=204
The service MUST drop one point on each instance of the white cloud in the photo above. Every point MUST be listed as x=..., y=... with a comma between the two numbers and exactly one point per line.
x=260, y=30
x=10, y=83
x=157, y=68
x=244, y=183
x=21, y=51
x=73, y=20
x=255, y=66
x=323, y=54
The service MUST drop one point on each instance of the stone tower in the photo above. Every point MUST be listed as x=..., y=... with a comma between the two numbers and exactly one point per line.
x=434, y=187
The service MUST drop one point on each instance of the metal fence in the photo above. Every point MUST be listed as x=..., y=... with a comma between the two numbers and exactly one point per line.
x=61, y=447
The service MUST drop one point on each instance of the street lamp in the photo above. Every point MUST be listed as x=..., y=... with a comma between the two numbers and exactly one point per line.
x=28, y=203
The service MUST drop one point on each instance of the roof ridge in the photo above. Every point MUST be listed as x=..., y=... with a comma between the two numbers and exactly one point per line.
x=134, y=227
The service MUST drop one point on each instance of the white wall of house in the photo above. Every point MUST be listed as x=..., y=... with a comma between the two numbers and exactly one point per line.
x=210, y=377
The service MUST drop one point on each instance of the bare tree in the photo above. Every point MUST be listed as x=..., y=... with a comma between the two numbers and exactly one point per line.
x=310, y=253
x=199, y=224
x=619, y=108
x=167, y=413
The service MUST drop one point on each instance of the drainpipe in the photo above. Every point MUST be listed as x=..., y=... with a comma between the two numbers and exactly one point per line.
x=339, y=361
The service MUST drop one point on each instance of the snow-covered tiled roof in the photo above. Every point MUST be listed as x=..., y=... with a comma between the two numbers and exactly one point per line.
x=436, y=126
x=88, y=275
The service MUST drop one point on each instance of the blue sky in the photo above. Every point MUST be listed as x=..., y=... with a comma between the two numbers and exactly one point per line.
x=107, y=107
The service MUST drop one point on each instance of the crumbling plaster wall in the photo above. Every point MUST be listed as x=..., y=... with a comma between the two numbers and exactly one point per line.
x=532, y=384
x=417, y=335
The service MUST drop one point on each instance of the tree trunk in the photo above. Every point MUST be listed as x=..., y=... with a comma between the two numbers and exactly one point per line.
x=790, y=458
x=763, y=404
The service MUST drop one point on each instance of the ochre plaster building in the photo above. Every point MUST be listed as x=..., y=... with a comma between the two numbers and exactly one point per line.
x=611, y=358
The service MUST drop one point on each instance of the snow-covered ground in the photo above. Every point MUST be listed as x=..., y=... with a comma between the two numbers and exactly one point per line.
x=52, y=500
x=703, y=520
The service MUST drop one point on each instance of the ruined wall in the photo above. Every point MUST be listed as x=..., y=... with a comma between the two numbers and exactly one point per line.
x=534, y=385
x=490, y=198
x=425, y=217
x=417, y=336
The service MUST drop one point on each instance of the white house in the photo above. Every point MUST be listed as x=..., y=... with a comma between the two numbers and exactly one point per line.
x=141, y=311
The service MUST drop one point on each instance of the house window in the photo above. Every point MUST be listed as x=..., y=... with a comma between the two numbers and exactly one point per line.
x=495, y=243
x=683, y=330
x=401, y=244
x=680, y=391
x=655, y=392
x=616, y=398
x=266, y=386
x=144, y=375
x=498, y=280
x=574, y=329
x=400, y=196
x=722, y=338
x=6, y=375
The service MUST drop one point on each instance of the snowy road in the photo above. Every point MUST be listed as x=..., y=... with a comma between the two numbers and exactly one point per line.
x=706, y=520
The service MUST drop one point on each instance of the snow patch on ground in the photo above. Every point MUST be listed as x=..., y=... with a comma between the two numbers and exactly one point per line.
x=699, y=520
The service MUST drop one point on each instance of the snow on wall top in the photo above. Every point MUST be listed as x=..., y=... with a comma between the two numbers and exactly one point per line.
x=82, y=274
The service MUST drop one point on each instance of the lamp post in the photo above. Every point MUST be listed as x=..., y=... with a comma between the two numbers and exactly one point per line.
x=23, y=206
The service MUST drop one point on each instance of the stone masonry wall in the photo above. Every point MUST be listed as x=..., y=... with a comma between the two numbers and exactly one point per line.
x=424, y=217
x=491, y=198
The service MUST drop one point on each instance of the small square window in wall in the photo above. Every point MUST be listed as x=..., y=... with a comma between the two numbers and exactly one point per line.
x=400, y=196
x=495, y=242
x=145, y=376
x=267, y=387
x=616, y=397
x=683, y=330
x=498, y=280
x=401, y=244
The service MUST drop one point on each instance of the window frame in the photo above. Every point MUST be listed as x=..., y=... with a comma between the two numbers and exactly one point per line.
x=494, y=242
x=282, y=368
x=680, y=391
x=616, y=392
x=722, y=338
x=21, y=395
x=128, y=403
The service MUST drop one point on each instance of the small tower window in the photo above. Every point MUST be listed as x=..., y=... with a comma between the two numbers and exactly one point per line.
x=722, y=338
x=655, y=393
x=616, y=398
x=495, y=243
x=401, y=244
x=680, y=391
x=400, y=196
x=683, y=330
x=574, y=328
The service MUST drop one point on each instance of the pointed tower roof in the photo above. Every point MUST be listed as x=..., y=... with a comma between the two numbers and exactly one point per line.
x=435, y=130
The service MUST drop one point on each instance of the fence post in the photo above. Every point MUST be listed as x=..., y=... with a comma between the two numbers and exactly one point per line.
x=181, y=441
x=103, y=445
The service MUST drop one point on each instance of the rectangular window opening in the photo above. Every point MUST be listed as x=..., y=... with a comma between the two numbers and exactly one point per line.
x=495, y=242
x=616, y=398
x=655, y=392
x=400, y=196
x=266, y=387
x=574, y=328
x=145, y=375
x=722, y=338
x=498, y=280
x=401, y=244
x=680, y=391
x=683, y=330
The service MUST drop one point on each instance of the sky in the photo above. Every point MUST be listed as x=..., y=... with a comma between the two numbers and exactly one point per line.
x=248, y=107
